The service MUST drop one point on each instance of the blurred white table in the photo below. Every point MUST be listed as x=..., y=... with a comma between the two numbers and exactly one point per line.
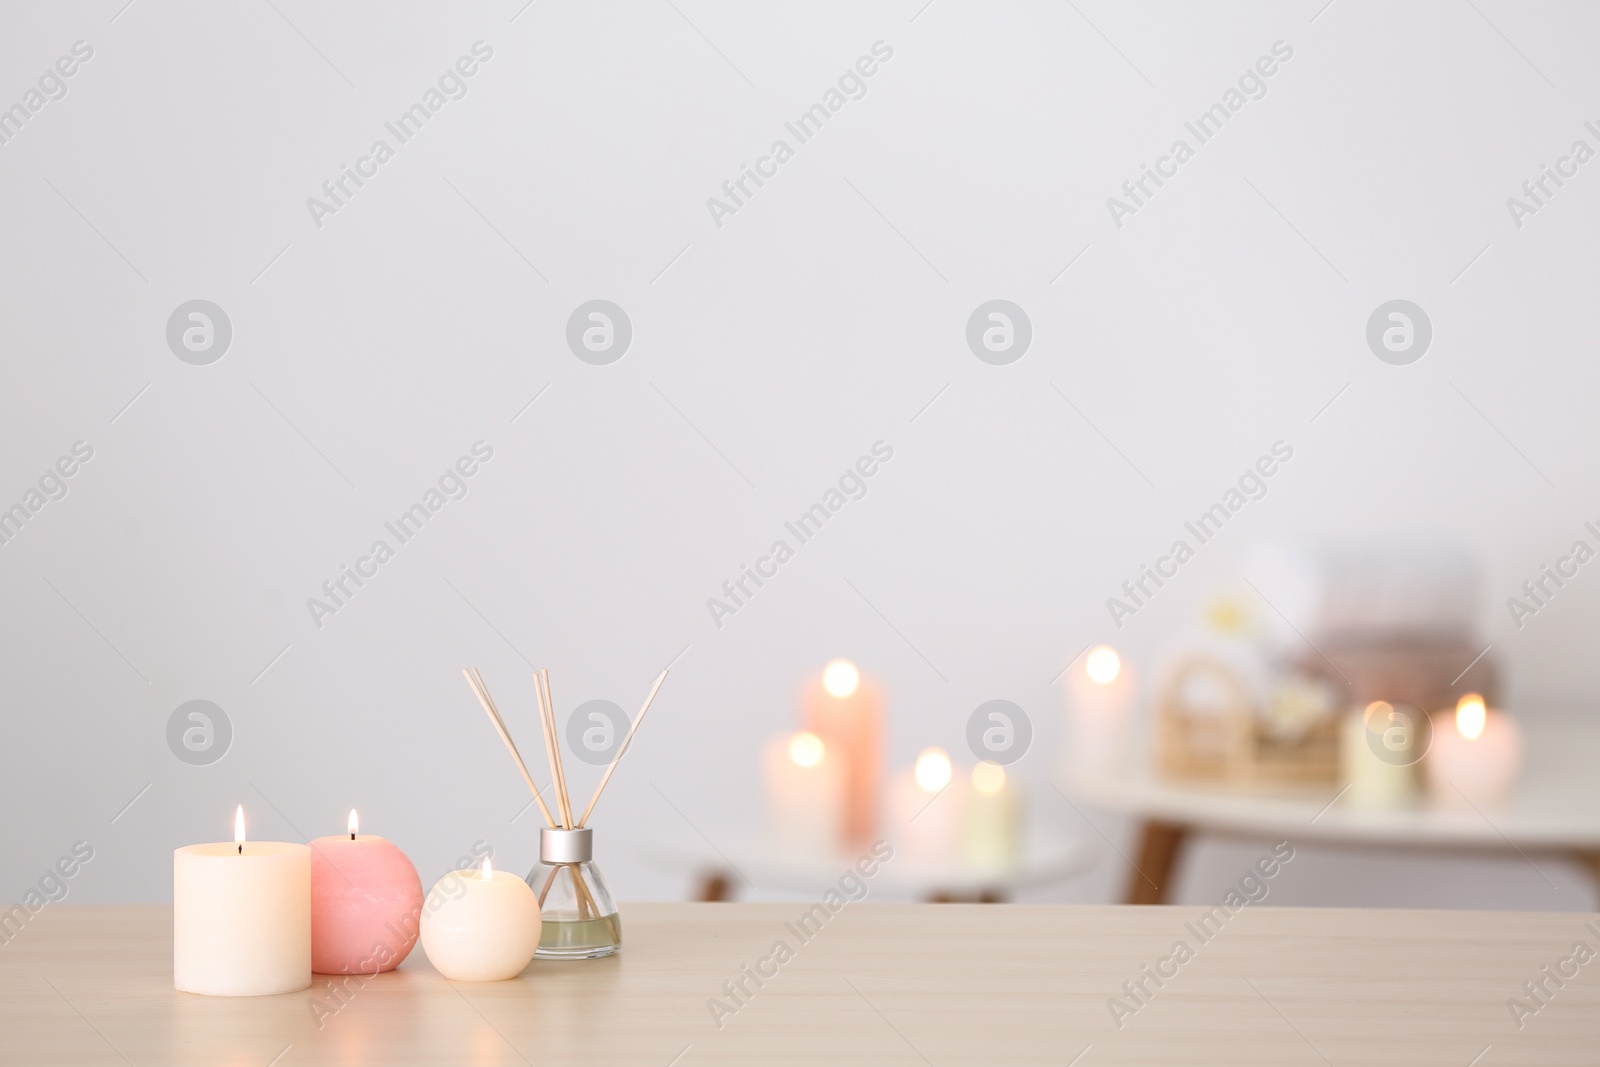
x=1556, y=809
x=1048, y=859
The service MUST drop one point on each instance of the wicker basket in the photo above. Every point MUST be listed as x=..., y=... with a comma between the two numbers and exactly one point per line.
x=1231, y=743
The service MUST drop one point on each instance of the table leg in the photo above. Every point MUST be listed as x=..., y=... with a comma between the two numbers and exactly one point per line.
x=1160, y=844
x=713, y=888
x=1591, y=860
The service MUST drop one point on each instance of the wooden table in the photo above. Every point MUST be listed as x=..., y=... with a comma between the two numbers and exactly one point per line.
x=879, y=984
x=1555, y=811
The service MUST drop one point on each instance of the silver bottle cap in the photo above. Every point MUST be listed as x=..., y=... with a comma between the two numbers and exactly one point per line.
x=566, y=846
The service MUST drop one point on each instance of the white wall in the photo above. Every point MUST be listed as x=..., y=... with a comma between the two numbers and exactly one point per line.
x=767, y=355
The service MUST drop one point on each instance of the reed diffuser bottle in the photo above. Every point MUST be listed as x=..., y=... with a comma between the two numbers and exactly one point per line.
x=580, y=918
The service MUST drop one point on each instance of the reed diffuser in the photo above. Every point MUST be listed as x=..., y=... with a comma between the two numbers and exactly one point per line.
x=580, y=918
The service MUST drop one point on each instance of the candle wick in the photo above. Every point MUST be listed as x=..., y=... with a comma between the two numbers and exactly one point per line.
x=241, y=848
x=352, y=837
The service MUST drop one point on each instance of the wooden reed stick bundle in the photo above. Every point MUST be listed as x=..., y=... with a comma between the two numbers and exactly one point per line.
x=475, y=680
x=587, y=909
x=552, y=743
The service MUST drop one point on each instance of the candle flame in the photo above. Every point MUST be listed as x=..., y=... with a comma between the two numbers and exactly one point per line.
x=988, y=778
x=488, y=872
x=840, y=678
x=1103, y=665
x=806, y=750
x=933, y=770
x=238, y=827
x=352, y=823
x=1471, y=716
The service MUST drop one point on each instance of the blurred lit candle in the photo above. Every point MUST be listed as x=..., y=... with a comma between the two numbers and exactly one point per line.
x=241, y=916
x=1377, y=746
x=478, y=926
x=991, y=824
x=1100, y=690
x=846, y=711
x=1476, y=755
x=366, y=903
x=925, y=809
x=805, y=795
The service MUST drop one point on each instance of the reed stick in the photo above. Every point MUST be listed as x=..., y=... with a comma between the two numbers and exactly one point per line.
x=555, y=741
x=583, y=897
x=475, y=680
x=579, y=890
x=552, y=744
x=621, y=750
x=549, y=881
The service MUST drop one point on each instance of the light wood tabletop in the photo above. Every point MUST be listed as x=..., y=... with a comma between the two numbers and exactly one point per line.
x=878, y=984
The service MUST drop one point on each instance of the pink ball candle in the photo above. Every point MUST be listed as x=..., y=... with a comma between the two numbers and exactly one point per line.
x=366, y=904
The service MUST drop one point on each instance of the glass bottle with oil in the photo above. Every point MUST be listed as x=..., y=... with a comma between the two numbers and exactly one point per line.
x=580, y=918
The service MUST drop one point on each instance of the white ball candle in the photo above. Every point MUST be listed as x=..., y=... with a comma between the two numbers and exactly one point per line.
x=805, y=795
x=1476, y=756
x=241, y=917
x=479, y=926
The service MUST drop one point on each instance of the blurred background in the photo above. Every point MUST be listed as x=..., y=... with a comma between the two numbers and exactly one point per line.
x=233, y=369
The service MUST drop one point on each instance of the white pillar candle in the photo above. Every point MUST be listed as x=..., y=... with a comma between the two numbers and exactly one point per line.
x=241, y=917
x=991, y=824
x=1376, y=756
x=805, y=794
x=1100, y=689
x=925, y=811
x=1476, y=755
x=480, y=926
